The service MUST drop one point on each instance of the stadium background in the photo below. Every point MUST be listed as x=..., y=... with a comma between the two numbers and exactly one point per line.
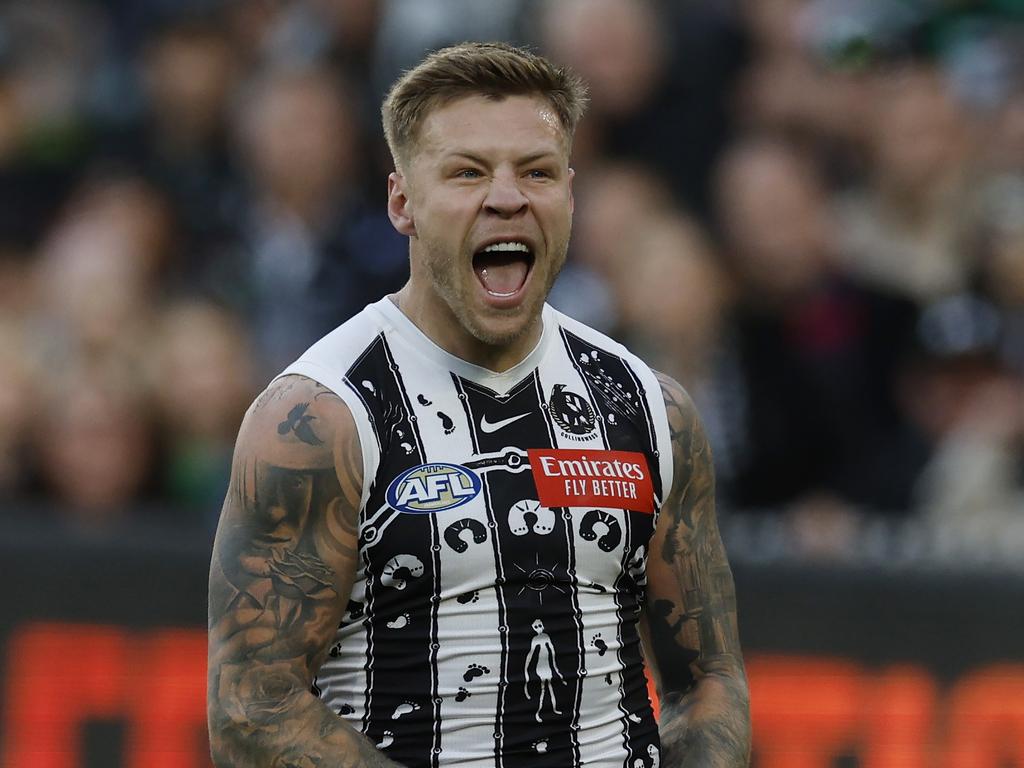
x=811, y=212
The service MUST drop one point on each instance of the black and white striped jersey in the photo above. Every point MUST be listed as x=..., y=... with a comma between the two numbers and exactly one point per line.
x=503, y=544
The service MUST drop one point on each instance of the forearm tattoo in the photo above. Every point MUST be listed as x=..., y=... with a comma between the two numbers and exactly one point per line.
x=283, y=564
x=692, y=611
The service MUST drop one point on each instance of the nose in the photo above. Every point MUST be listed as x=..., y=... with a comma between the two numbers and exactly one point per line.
x=504, y=197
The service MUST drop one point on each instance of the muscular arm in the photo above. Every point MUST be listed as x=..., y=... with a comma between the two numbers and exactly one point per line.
x=692, y=638
x=283, y=565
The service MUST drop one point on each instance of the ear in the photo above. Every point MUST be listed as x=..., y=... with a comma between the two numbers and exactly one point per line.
x=399, y=205
x=572, y=201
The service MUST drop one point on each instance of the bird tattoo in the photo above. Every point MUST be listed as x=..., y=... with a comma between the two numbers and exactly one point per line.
x=298, y=422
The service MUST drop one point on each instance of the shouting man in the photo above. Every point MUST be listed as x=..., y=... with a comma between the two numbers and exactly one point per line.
x=462, y=500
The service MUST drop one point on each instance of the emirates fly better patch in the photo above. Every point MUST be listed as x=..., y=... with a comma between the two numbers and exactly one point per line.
x=577, y=478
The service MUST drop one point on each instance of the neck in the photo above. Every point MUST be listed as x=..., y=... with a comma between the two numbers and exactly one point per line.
x=444, y=329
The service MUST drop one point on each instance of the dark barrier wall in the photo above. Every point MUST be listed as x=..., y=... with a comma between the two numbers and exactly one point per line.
x=103, y=648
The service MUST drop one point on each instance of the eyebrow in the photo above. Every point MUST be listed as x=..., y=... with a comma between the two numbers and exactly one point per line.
x=543, y=155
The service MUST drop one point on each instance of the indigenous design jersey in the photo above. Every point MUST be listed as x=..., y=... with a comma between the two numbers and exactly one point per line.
x=503, y=544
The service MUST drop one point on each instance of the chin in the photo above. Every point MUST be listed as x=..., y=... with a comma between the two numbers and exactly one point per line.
x=498, y=334
x=503, y=329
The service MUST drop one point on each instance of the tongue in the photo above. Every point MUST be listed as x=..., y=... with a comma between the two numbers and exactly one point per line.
x=500, y=272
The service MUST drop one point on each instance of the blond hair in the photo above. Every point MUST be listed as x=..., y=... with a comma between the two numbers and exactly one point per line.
x=495, y=70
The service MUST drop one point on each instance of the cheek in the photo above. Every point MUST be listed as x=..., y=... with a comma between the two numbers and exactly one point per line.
x=447, y=220
x=558, y=225
x=556, y=209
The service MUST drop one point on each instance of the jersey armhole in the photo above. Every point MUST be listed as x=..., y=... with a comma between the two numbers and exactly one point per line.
x=364, y=429
x=662, y=433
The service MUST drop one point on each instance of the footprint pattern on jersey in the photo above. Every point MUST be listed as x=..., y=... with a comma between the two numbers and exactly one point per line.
x=386, y=741
x=468, y=597
x=404, y=708
x=600, y=644
x=446, y=422
x=463, y=694
x=399, y=622
x=475, y=670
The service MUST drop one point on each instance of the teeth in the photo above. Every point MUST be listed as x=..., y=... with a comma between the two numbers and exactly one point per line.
x=507, y=246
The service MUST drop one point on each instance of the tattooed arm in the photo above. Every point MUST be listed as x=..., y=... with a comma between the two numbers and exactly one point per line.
x=692, y=638
x=283, y=565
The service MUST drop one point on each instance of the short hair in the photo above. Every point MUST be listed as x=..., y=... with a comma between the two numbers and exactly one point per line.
x=495, y=70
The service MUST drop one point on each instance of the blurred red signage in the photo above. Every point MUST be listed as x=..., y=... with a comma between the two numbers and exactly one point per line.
x=808, y=711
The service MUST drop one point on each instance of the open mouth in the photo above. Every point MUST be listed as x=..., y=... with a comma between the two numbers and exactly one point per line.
x=503, y=268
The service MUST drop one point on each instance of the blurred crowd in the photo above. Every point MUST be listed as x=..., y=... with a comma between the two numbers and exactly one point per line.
x=810, y=212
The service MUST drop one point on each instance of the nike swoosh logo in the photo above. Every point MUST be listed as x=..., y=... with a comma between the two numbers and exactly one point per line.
x=488, y=427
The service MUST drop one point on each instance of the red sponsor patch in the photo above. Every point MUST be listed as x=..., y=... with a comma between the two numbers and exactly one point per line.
x=572, y=478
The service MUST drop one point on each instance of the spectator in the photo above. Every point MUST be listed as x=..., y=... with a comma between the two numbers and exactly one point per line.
x=94, y=445
x=675, y=304
x=312, y=254
x=673, y=301
x=189, y=75
x=98, y=272
x=204, y=380
x=902, y=231
x=969, y=410
x=659, y=75
x=817, y=352
x=617, y=197
x=410, y=28
x=50, y=64
x=789, y=87
x=999, y=243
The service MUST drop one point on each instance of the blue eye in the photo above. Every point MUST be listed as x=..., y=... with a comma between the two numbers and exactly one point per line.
x=539, y=173
x=468, y=173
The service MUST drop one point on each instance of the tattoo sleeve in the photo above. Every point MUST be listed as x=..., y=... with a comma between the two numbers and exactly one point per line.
x=283, y=564
x=692, y=636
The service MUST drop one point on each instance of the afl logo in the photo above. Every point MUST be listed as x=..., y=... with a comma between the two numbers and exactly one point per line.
x=571, y=412
x=432, y=488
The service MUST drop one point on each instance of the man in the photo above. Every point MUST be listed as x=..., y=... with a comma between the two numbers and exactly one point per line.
x=445, y=518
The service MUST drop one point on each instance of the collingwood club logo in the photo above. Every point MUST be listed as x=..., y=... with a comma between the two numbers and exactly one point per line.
x=571, y=413
x=430, y=488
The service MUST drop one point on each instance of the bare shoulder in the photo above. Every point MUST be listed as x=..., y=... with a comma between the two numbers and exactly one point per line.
x=296, y=419
x=289, y=527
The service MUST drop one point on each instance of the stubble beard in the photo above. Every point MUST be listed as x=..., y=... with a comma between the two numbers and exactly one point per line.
x=442, y=267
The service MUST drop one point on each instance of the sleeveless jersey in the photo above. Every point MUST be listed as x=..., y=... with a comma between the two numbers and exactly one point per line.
x=503, y=541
